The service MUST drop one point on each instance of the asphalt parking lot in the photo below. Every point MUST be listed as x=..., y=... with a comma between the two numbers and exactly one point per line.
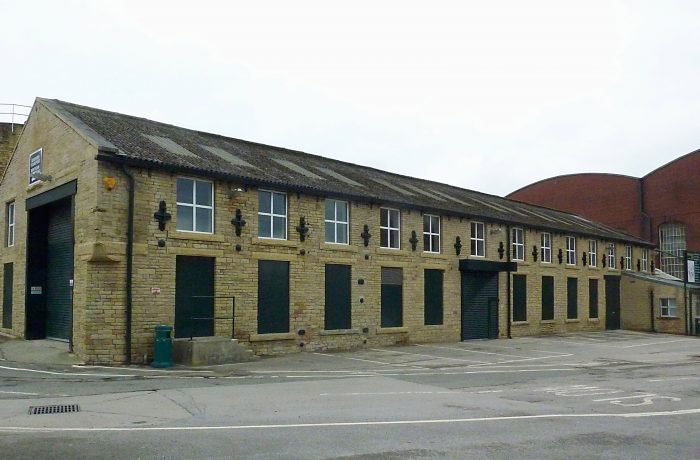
x=616, y=394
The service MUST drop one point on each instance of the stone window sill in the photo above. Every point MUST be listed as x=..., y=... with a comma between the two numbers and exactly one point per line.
x=392, y=330
x=520, y=323
x=192, y=236
x=391, y=252
x=573, y=320
x=593, y=320
x=338, y=247
x=547, y=321
x=273, y=242
x=339, y=332
x=434, y=255
x=668, y=318
x=273, y=336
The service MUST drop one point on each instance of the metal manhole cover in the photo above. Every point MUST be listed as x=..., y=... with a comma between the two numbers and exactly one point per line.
x=53, y=409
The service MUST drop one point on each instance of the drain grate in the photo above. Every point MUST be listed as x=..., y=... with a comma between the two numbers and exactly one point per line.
x=54, y=409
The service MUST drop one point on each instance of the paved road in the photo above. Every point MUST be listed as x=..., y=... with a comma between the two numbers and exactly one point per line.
x=615, y=395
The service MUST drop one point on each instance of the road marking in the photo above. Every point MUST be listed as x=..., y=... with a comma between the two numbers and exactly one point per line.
x=65, y=373
x=674, y=378
x=653, y=343
x=469, y=351
x=525, y=359
x=504, y=418
x=81, y=366
x=431, y=356
x=392, y=393
x=626, y=397
x=19, y=393
x=384, y=363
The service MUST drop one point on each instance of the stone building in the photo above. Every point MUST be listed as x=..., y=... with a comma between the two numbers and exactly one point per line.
x=115, y=224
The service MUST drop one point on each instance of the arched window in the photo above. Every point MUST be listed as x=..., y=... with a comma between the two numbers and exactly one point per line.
x=672, y=245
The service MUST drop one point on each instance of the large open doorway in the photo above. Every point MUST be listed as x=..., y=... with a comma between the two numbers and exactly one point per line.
x=49, y=282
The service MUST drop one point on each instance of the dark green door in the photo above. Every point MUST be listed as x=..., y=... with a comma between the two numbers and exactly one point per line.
x=273, y=296
x=8, y=274
x=571, y=298
x=59, y=271
x=432, y=296
x=194, y=296
x=612, y=302
x=479, y=305
x=547, y=298
x=337, y=307
x=392, y=297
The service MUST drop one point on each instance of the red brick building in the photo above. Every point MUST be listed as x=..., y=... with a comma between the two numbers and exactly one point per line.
x=662, y=206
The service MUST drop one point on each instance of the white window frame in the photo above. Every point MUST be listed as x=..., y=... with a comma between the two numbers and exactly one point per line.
x=610, y=254
x=546, y=247
x=670, y=305
x=40, y=153
x=273, y=215
x=430, y=233
x=195, y=206
x=11, y=213
x=518, y=247
x=474, y=238
x=571, y=250
x=389, y=229
x=645, y=260
x=628, y=257
x=593, y=253
x=337, y=222
x=672, y=243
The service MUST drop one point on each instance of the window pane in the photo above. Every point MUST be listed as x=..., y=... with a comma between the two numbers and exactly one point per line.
x=264, y=202
x=264, y=226
x=480, y=248
x=342, y=230
x=279, y=204
x=394, y=219
x=394, y=238
x=330, y=232
x=384, y=238
x=185, y=218
x=383, y=220
x=473, y=248
x=342, y=208
x=203, y=221
x=185, y=190
x=426, y=242
x=330, y=209
x=436, y=243
x=426, y=223
x=480, y=231
x=204, y=192
x=279, y=227
x=435, y=224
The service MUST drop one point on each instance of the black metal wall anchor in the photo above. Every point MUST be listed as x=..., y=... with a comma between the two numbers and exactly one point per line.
x=366, y=235
x=622, y=262
x=458, y=245
x=604, y=261
x=560, y=256
x=583, y=258
x=534, y=253
x=413, y=240
x=652, y=267
x=303, y=229
x=639, y=265
x=162, y=216
x=501, y=250
x=238, y=222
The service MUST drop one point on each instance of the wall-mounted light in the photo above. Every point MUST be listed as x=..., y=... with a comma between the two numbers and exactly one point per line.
x=234, y=191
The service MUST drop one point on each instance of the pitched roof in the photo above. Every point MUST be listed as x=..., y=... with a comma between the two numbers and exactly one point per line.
x=147, y=143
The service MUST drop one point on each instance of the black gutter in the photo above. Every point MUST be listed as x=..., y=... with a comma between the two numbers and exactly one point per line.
x=129, y=260
x=245, y=180
x=508, y=320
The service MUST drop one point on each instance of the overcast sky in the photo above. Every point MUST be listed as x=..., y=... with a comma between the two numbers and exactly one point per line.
x=485, y=95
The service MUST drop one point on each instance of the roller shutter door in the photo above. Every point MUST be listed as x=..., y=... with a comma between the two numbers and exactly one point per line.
x=59, y=271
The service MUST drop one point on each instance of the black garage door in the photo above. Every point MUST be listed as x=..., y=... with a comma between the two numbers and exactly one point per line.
x=59, y=271
x=479, y=305
x=194, y=296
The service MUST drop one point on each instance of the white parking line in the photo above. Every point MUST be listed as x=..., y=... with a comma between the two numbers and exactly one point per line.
x=653, y=343
x=431, y=356
x=140, y=369
x=384, y=363
x=505, y=418
x=671, y=379
x=469, y=351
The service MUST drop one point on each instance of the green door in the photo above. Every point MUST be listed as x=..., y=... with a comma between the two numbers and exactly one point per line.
x=59, y=271
x=392, y=297
x=8, y=275
x=273, y=296
x=432, y=296
x=337, y=308
x=194, y=296
x=612, y=302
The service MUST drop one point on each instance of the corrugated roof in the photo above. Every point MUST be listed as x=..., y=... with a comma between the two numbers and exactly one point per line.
x=147, y=143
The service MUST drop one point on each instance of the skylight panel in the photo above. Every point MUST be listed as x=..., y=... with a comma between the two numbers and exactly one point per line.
x=423, y=192
x=340, y=177
x=392, y=186
x=227, y=156
x=170, y=145
x=451, y=198
x=297, y=169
